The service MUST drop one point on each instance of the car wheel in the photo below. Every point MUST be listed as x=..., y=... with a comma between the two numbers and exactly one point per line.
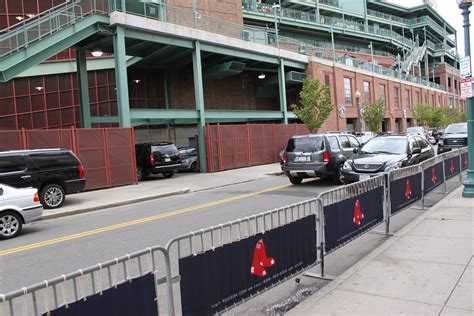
x=295, y=180
x=194, y=167
x=10, y=225
x=168, y=174
x=141, y=175
x=52, y=196
x=338, y=177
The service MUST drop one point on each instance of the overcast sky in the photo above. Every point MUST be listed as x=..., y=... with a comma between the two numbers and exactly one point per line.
x=450, y=11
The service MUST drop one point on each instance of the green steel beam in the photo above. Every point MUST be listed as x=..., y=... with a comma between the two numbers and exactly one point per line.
x=48, y=47
x=132, y=61
x=105, y=119
x=121, y=78
x=243, y=115
x=199, y=97
x=157, y=38
x=240, y=54
x=162, y=114
x=294, y=64
x=282, y=90
x=168, y=93
x=83, y=88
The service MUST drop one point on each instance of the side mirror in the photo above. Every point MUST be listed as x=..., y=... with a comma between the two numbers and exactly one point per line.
x=355, y=150
x=416, y=151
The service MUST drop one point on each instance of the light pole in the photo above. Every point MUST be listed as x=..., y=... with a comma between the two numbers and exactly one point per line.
x=372, y=54
x=468, y=191
x=359, y=116
x=275, y=7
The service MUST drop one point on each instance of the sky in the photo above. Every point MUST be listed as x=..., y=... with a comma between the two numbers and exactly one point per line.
x=450, y=11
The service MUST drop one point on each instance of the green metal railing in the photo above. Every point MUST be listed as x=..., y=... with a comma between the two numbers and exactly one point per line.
x=386, y=16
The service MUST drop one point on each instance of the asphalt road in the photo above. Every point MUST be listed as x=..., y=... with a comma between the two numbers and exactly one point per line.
x=47, y=249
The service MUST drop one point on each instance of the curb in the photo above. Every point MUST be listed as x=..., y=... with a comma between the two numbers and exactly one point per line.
x=114, y=204
x=327, y=289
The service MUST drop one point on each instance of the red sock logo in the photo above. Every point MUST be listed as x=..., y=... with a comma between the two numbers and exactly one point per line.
x=358, y=215
x=434, y=178
x=260, y=260
x=408, y=190
x=452, y=166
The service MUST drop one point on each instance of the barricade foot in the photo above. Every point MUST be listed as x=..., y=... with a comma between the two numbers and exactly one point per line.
x=382, y=232
x=319, y=276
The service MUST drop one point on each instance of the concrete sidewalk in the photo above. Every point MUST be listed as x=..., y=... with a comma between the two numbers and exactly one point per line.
x=427, y=268
x=158, y=187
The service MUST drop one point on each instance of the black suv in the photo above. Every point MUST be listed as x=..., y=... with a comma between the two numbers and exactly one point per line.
x=156, y=158
x=454, y=137
x=317, y=155
x=54, y=172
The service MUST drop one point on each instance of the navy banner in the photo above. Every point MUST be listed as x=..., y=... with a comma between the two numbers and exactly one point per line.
x=347, y=219
x=216, y=279
x=451, y=167
x=433, y=177
x=404, y=192
x=464, y=161
x=134, y=297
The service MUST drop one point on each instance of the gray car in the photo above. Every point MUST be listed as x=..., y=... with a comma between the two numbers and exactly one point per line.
x=17, y=207
x=189, y=158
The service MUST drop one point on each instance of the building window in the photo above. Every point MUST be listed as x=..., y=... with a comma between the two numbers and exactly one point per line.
x=417, y=97
x=327, y=81
x=347, y=91
x=407, y=99
x=367, y=92
x=455, y=84
x=449, y=82
x=382, y=94
x=396, y=97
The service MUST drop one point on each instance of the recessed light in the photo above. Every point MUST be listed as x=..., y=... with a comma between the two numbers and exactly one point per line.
x=97, y=52
x=39, y=88
x=261, y=76
x=137, y=81
x=19, y=18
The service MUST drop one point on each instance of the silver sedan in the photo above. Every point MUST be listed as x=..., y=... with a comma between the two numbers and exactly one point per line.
x=17, y=207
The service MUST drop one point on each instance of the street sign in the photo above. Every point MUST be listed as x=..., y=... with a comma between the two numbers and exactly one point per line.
x=466, y=87
x=342, y=111
x=465, y=65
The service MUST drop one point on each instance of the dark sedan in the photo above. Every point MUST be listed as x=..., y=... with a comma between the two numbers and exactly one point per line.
x=385, y=153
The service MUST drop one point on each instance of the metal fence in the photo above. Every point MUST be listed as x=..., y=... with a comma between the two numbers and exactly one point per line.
x=107, y=154
x=337, y=217
x=245, y=145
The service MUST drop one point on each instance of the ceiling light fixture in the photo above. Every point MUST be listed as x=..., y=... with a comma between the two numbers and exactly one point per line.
x=97, y=52
x=261, y=76
x=31, y=15
x=19, y=18
x=137, y=81
x=39, y=88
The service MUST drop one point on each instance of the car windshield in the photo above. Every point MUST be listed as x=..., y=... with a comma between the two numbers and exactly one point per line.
x=305, y=144
x=165, y=149
x=415, y=130
x=385, y=145
x=456, y=129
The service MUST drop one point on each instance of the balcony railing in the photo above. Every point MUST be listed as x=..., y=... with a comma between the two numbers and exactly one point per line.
x=386, y=16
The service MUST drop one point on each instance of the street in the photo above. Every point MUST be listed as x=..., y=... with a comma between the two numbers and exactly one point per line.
x=50, y=248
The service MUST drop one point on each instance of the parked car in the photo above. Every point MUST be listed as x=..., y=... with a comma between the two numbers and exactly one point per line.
x=188, y=158
x=53, y=172
x=454, y=137
x=416, y=130
x=17, y=207
x=317, y=155
x=157, y=158
x=385, y=153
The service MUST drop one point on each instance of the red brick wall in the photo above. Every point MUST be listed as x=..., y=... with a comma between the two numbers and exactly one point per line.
x=228, y=10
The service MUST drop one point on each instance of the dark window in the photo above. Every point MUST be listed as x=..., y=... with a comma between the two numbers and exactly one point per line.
x=12, y=164
x=396, y=97
x=382, y=94
x=367, y=92
x=449, y=82
x=413, y=143
x=346, y=144
x=421, y=142
x=327, y=81
x=354, y=142
x=305, y=144
x=53, y=160
x=455, y=84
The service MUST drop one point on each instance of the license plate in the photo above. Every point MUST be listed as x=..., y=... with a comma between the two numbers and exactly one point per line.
x=167, y=159
x=363, y=176
x=303, y=159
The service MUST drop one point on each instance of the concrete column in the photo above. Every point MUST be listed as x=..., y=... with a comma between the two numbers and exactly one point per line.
x=199, y=98
x=282, y=90
x=121, y=77
x=83, y=88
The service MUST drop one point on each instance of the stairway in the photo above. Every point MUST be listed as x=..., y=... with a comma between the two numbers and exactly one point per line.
x=36, y=39
x=416, y=55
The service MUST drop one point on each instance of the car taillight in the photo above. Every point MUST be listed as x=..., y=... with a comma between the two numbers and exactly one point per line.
x=152, y=159
x=36, y=197
x=326, y=156
x=284, y=157
x=81, y=172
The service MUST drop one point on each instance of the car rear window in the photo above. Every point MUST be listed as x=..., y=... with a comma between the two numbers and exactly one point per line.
x=54, y=160
x=165, y=149
x=305, y=144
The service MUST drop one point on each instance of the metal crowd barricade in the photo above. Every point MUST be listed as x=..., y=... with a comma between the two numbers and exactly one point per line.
x=398, y=174
x=340, y=194
x=213, y=237
x=48, y=295
x=430, y=163
x=451, y=156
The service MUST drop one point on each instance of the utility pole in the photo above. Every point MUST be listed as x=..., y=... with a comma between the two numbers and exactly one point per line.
x=468, y=191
